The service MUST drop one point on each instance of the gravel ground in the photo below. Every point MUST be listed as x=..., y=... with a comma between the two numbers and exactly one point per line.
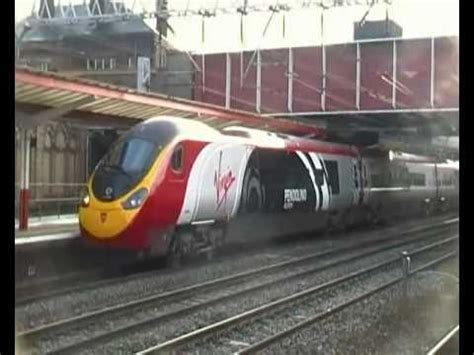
x=65, y=306
x=152, y=335
x=386, y=323
x=109, y=323
x=264, y=327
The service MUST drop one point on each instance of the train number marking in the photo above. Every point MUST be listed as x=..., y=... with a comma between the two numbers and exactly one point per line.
x=293, y=195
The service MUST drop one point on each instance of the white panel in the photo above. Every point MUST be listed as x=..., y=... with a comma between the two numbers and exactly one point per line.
x=215, y=183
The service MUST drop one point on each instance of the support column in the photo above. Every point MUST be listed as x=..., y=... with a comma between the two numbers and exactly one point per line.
x=432, y=73
x=358, y=77
x=24, y=178
x=227, y=80
x=290, y=79
x=394, y=75
x=203, y=73
x=258, y=98
x=323, y=64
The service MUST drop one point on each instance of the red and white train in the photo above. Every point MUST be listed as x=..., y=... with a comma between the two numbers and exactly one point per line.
x=173, y=186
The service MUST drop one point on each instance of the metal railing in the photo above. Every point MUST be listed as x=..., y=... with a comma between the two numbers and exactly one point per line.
x=51, y=199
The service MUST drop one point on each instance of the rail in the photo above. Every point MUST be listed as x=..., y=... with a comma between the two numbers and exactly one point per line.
x=206, y=291
x=218, y=327
x=444, y=341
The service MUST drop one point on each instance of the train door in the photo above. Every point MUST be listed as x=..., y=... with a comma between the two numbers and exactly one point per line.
x=365, y=181
x=360, y=178
x=437, y=182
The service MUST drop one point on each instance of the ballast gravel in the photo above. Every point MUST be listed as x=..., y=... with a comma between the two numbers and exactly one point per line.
x=149, y=336
x=65, y=306
x=390, y=322
x=258, y=330
x=56, y=308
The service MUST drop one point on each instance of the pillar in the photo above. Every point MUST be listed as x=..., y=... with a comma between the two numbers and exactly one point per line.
x=24, y=178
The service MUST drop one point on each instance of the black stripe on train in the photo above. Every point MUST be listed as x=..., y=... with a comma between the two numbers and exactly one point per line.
x=285, y=181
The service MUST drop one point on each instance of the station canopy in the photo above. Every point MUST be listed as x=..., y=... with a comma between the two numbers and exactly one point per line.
x=44, y=96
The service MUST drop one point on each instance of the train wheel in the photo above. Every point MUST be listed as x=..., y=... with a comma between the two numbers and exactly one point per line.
x=330, y=228
x=426, y=208
x=175, y=255
x=181, y=246
x=252, y=196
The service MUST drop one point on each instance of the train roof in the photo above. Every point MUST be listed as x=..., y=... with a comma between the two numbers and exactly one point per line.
x=193, y=129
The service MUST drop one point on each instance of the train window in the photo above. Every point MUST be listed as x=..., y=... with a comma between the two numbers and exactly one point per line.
x=333, y=175
x=318, y=175
x=133, y=156
x=177, y=159
x=356, y=177
x=365, y=176
x=418, y=179
x=447, y=180
x=236, y=133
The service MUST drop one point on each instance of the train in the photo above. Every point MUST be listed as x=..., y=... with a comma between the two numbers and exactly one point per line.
x=177, y=187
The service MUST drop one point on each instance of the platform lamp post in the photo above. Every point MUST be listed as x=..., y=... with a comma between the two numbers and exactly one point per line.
x=24, y=178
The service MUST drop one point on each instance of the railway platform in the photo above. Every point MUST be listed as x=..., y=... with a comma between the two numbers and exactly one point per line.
x=48, y=230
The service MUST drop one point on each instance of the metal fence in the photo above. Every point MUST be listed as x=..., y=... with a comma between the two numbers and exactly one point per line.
x=51, y=199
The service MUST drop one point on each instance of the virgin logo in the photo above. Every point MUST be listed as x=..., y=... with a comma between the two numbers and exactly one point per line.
x=222, y=183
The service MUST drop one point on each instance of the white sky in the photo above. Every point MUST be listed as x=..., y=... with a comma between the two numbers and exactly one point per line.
x=419, y=18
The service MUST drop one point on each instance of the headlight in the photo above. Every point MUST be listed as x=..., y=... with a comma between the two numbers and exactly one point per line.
x=85, y=198
x=136, y=199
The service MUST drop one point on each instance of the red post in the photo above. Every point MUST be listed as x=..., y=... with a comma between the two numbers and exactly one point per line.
x=24, y=202
x=24, y=179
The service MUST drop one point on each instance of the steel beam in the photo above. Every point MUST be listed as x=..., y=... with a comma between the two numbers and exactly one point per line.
x=228, y=79
x=358, y=76
x=290, y=79
x=432, y=72
x=394, y=74
x=258, y=91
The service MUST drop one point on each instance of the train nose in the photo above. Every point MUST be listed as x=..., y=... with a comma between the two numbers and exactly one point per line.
x=104, y=223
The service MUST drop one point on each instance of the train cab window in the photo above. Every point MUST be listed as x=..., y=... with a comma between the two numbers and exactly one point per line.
x=333, y=175
x=177, y=159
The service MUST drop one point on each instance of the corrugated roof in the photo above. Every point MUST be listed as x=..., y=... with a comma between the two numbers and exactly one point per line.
x=48, y=90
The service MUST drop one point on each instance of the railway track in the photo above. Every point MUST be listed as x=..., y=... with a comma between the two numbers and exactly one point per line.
x=267, y=310
x=188, y=300
x=37, y=290
x=448, y=344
